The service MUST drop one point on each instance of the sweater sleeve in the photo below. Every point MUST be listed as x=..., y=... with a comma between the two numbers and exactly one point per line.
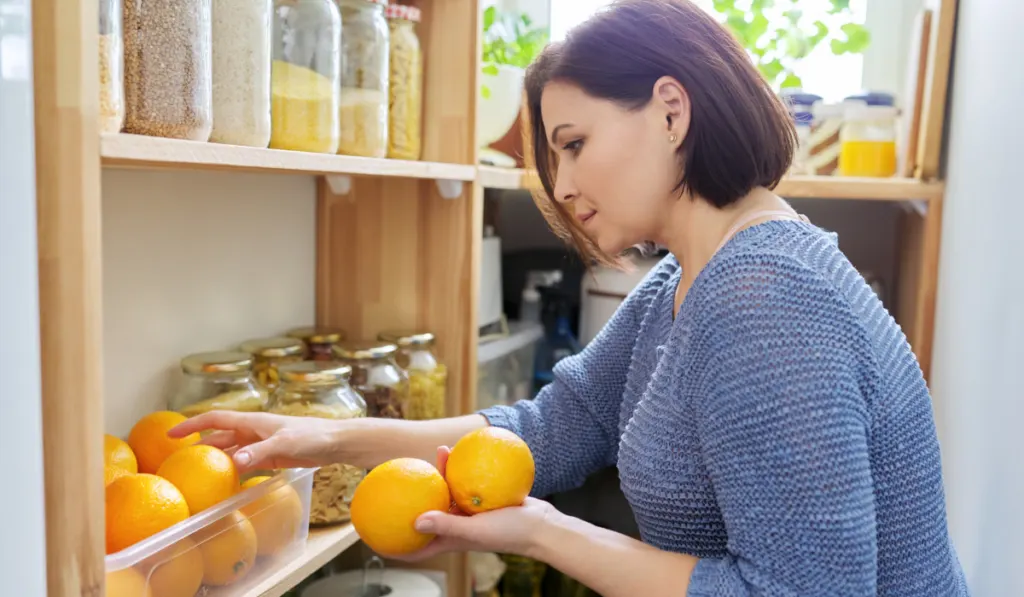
x=783, y=429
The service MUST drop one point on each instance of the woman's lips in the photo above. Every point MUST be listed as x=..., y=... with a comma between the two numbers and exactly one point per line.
x=586, y=216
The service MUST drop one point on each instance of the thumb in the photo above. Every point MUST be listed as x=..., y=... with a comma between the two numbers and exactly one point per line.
x=258, y=454
x=442, y=524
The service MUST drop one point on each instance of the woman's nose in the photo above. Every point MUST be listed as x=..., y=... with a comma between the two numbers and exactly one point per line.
x=565, y=191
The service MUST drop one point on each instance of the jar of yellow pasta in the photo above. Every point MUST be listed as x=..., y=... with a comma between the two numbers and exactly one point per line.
x=217, y=381
x=406, y=86
x=268, y=354
x=363, y=112
x=428, y=378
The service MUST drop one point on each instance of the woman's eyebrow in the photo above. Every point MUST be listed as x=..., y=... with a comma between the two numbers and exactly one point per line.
x=555, y=131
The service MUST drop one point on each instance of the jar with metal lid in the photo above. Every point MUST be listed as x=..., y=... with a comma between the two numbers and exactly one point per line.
x=305, y=75
x=217, y=381
x=269, y=353
x=111, y=67
x=428, y=378
x=405, y=129
x=365, y=46
x=241, y=72
x=375, y=374
x=319, y=389
x=868, y=141
x=319, y=341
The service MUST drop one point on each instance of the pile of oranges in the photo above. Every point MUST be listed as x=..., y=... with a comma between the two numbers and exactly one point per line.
x=487, y=469
x=154, y=482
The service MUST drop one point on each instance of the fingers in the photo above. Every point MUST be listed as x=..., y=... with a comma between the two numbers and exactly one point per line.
x=215, y=419
x=260, y=453
x=221, y=439
x=444, y=525
x=442, y=459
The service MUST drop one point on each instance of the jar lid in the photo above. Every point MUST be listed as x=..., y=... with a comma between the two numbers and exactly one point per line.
x=873, y=98
x=401, y=11
x=364, y=350
x=861, y=112
x=317, y=335
x=314, y=372
x=273, y=348
x=217, y=362
x=407, y=338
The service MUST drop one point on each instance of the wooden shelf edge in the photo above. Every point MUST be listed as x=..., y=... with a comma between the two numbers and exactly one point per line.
x=137, y=151
x=322, y=546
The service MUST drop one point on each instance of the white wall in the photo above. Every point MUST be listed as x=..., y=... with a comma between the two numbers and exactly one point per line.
x=192, y=262
x=978, y=355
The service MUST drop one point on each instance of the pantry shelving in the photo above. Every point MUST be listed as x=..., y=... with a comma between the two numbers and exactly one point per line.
x=322, y=546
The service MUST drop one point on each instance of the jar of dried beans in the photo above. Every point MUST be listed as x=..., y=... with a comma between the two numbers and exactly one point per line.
x=217, y=381
x=363, y=113
x=167, y=68
x=241, y=72
x=268, y=354
x=319, y=341
x=405, y=132
x=318, y=389
x=375, y=374
x=428, y=378
x=111, y=67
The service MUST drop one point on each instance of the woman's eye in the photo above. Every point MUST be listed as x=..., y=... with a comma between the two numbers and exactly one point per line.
x=573, y=147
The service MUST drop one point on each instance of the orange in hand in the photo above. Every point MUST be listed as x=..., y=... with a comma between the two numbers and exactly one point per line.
x=139, y=506
x=148, y=439
x=205, y=475
x=276, y=516
x=489, y=468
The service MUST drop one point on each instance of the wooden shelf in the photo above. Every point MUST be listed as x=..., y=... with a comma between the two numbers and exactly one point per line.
x=137, y=151
x=322, y=546
x=795, y=187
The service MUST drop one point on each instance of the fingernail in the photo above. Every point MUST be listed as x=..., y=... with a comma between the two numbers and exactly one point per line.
x=243, y=458
x=425, y=525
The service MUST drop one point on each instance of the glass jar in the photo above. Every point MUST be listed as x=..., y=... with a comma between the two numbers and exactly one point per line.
x=428, y=378
x=111, y=67
x=268, y=354
x=315, y=389
x=217, y=381
x=375, y=374
x=868, y=141
x=363, y=112
x=824, y=143
x=167, y=68
x=319, y=341
x=305, y=76
x=405, y=131
x=241, y=72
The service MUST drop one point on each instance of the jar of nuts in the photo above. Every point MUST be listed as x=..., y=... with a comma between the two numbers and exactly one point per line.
x=320, y=389
x=363, y=108
x=375, y=374
x=217, y=381
x=111, y=67
x=427, y=377
x=268, y=353
x=319, y=341
x=406, y=84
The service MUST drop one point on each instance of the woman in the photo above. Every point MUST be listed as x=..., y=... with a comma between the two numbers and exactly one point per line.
x=771, y=426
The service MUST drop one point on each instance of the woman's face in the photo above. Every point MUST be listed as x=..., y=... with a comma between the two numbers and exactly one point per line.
x=616, y=168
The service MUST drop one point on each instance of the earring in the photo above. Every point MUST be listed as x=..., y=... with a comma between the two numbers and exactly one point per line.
x=672, y=138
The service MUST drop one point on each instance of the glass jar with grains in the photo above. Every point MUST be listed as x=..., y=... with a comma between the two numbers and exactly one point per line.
x=305, y=75
x=111, y=67
x=167, y=69
x=268, y=354
x=217, y=381
x=363, y=113
x=375, y=374
x=319, y=341
x=317, y=389
x=241, y=72
x=427, y=377
x=405, y=132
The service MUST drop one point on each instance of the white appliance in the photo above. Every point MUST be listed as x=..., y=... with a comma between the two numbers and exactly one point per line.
x=603, y=290
x=489, y=308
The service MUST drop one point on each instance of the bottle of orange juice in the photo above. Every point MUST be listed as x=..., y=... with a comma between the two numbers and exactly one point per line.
x=868, y=141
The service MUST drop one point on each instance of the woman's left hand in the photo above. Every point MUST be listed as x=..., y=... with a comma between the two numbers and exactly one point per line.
x=513, y=530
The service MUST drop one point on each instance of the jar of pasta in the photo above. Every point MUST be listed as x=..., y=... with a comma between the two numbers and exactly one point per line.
x=868, y=141
x=427, y=377
x=268, y=354
x=305, y=75
x=375, y=374
x=318, y=389
x=217, y=381
x=405, y=131
x=319, y=341
x=364, y=79
x=111, y=67
x=241, y=72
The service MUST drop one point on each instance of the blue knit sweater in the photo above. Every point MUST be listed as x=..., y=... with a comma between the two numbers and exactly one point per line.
x=779, y=428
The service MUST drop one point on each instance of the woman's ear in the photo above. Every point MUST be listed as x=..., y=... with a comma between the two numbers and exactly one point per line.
x=671, y=99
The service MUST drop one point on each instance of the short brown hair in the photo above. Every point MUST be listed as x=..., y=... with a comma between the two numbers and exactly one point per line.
x=741, y=136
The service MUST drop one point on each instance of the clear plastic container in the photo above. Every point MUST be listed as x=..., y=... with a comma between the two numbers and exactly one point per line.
x=319, y=341
x=275, y=513
x=505, y=366
x=268, y=354
x=405, y=128
x=318, y=389
x=241, y=72
x=167, y=68
x=868, y=141
x=305, y=76
x=428, y=378
x=111, y=67
x=363, y=112
x=217, y=381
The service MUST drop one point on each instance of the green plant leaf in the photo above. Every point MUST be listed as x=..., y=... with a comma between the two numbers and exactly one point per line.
x=820, y=33
x=772, y=69
x=489, y=15
x=791, y=80
x=485, y=92
x=839, y=6
x=490, y=69
x=857, y=39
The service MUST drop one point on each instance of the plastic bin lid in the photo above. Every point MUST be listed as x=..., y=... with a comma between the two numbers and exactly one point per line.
x=521, y=335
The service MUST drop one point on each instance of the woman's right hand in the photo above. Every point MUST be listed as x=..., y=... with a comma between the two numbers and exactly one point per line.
x=267, y=441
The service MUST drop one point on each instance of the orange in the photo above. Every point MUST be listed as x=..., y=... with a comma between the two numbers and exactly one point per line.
x=276, y=516
x=118, y=454
x=139, y=506
x=205, y=475
x=148, y=439
x=127, y=582
x=113, y=473
x=228, y=547
x=388, y=501
x=489, y=468
x=176, y=571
